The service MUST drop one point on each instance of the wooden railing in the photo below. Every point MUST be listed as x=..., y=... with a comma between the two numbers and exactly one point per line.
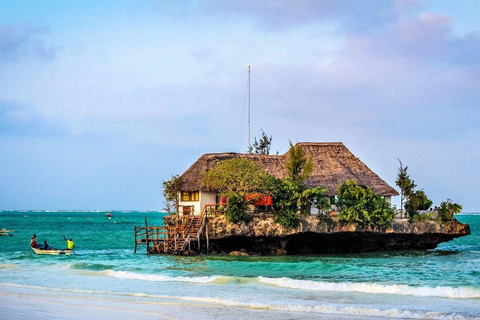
x=146, y=235
x=213, y=210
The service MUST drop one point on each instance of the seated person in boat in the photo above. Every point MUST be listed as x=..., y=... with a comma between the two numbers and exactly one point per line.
x=45, y=245
x=33, y=241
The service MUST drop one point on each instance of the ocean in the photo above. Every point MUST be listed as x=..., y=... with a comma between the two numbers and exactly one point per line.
x=105, y=279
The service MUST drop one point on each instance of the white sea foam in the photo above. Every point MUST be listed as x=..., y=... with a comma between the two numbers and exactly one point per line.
x=444, y=292
x=161, y=278
x=310, y=308
x=309, y=285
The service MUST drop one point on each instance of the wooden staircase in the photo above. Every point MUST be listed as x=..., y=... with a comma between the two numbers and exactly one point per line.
x=190, y=230
x=178, y=238
x=172, y=239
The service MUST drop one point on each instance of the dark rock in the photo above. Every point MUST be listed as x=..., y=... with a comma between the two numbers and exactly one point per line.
x=314, y=236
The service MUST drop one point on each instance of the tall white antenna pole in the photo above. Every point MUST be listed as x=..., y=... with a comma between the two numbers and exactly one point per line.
x=249, y=144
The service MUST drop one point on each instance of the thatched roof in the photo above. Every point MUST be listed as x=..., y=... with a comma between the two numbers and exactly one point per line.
x=333, y=164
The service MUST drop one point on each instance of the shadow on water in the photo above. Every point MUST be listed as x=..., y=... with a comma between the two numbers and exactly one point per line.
x=314, y=258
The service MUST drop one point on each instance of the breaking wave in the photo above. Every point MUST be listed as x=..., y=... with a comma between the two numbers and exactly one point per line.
x=162, y=278
x=444, y=292
x=309, y=285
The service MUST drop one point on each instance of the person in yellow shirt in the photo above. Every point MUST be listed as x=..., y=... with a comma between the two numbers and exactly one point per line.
x=70, y=243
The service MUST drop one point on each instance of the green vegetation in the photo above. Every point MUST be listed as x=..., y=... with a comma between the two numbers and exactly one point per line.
x=414, y=199
x=425, y=216
x=262, y=146
x=171, y=188
x=235, y=179
x=236, y=208
x=361, y=206
x=418, y=200
x=292, y=199
x=299, y=166
x=404, y=182
x=236, y=176
x=448, y=210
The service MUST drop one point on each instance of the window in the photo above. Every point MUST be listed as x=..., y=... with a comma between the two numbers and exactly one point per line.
x=333, y=200
x=189, y=196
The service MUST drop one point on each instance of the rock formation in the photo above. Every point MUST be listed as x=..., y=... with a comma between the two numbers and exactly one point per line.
x=319, y=236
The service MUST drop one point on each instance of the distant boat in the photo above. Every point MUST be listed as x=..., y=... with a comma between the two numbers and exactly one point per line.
x=108, y=214
x=5, y=232
x=53, y=251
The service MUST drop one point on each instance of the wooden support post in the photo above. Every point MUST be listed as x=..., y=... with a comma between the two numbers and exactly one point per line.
x=146, y=234
x=206, y=232
x=135, y=251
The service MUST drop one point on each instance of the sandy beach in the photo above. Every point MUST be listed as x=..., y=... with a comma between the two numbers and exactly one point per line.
x=32, y=304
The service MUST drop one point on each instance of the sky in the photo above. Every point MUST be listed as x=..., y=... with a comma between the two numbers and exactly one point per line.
x=100, y=101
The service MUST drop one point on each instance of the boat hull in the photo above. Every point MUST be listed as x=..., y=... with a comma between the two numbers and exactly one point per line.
x=52, y=252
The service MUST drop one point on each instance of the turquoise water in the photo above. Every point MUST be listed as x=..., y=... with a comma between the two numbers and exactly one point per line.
x=438, y=284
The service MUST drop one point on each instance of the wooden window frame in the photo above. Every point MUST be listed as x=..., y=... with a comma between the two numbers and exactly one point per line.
x=189, y=196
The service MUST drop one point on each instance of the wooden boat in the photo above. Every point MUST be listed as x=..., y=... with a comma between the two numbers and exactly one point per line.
x=108, y=214
x=5, y=232
x=53, y=252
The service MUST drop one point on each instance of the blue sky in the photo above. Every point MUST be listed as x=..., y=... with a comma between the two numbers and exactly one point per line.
x=102, y=100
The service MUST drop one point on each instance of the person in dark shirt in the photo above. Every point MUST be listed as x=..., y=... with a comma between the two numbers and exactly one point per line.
x=45, y=245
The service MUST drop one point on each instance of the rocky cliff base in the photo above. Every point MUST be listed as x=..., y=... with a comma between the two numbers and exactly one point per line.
x=324, y=236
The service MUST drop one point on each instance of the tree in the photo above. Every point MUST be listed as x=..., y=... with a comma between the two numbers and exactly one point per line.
x=414, y=199
x=448, y=209
x=238, y=175
x=361, y=206
x=405, y=184
x=171, y=188
x=235, y=179
x=299, y=166
x=262, y=146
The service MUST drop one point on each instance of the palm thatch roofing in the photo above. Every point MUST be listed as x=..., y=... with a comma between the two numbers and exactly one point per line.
x=333, y=164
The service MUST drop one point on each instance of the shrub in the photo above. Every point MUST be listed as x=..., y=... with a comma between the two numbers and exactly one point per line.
x=417, y=200
x=236, y=209
x=448, y=210
x=288, y=219
x=292, y=198
x=361, y=206
x=420, y=217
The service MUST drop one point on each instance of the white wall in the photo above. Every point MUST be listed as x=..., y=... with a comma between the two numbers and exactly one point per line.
x=195, y=204
x=204, y=198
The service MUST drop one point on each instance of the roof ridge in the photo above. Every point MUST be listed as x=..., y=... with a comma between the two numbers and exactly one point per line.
x=320, y=143
x=242, y=154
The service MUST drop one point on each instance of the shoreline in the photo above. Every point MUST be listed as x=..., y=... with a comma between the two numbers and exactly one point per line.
x=32, y=304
